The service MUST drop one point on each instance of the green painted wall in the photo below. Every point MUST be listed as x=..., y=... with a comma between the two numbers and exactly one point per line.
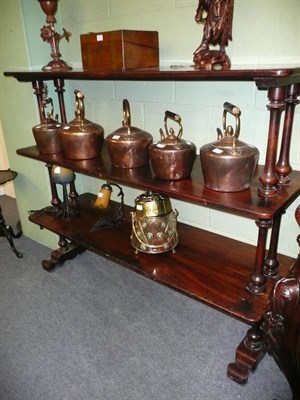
x=265, y=32
x=18, y=115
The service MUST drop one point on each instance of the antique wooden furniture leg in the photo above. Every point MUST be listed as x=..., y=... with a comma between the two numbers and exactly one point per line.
x=66, y=251
x=252, y=348
x=282, y=324
x=278, y=333
x=248, y=354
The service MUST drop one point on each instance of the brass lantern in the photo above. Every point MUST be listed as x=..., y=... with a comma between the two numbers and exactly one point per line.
x=154, y=224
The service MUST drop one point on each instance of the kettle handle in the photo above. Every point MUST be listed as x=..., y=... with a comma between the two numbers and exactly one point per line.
x=236, y=112
x=45, y=103
x=79, y=96
x=176, y=118
x=126, y=115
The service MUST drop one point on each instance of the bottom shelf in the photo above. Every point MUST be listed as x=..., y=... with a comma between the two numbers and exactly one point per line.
x=207, y=267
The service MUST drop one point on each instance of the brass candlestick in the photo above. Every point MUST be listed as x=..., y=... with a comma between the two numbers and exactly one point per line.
x=49, y=35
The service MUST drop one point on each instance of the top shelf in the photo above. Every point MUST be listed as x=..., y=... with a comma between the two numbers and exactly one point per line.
x=264, y=78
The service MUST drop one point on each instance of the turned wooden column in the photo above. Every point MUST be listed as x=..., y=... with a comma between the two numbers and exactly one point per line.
x=55, y=200
x=269, y=178
x=59, y=88
x=257, y=282
x=283, y=167
x=271, y=263
x=38, y=89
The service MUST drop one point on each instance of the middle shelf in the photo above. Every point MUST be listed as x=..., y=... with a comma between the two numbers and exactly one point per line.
x=247, y=203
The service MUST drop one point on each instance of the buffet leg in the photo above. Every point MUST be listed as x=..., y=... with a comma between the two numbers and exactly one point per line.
x=66, y=251
x=248, y=354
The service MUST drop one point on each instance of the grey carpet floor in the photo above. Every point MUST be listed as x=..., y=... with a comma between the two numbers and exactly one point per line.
x=92, y=330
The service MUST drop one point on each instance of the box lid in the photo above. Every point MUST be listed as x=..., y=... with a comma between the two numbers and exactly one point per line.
x=144, y=38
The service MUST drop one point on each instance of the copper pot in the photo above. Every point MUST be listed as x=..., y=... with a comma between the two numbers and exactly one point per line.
x=81, y=138
x=128, y=146
x=228, y=164
x=172, y=158
x=46, y=134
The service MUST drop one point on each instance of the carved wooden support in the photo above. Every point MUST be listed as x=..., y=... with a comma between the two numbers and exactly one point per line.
x=282, y=324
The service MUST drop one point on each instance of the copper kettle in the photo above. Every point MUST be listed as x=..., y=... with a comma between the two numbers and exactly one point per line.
x=172, y=158
x=46, y=134
x=228, y=164
x=128, y=146
x=81, y=138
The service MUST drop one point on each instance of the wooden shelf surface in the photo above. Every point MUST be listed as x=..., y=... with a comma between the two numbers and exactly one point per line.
x=263, y=77
x=207, y=267
x=245, y=203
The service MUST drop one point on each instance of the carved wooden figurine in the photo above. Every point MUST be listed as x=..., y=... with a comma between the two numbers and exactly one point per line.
x=217, y=16
x=282, y=324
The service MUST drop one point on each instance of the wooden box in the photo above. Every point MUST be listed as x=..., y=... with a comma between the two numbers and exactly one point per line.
x=121, y=49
